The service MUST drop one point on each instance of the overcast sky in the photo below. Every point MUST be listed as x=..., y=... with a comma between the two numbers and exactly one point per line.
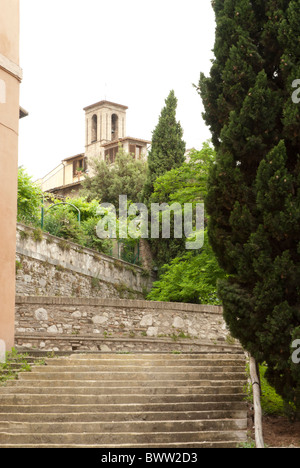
x=133, y=52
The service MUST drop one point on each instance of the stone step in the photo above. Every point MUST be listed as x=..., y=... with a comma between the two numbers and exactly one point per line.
x=123, y=416
x=204, y=445
x=200, y=362
x=81, y=344
x=156, y=356
x=124, y=439
x=120, y=376
x=125, y=427
x=139, y=369
x=120, y=408
x=109, y=384
x=71, y=399
x=125, y=400
x=81, y=390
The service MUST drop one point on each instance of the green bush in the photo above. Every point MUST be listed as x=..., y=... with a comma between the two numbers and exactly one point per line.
x=190, y=278
x=29, y=199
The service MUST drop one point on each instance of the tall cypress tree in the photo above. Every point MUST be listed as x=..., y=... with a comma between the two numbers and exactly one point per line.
x=168, y=148
x=254, y=188
x=167, y=153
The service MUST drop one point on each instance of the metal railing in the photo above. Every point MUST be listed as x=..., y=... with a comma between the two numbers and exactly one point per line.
x=256, y=388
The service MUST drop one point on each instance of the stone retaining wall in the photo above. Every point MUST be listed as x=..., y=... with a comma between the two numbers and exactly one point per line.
x=50, y=266
x=63, y=324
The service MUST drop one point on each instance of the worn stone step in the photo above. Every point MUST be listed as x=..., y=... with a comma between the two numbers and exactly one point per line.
x=32, y=407
x=119, y=439
x=113, y=399
x=108, y=384
x=123, y=416
x=119, y=376
x=156, y=356
x=139, y=369
x=123, y=426
x=183, y=445
x=146, y=362
x=81, y=390
x=127, y=400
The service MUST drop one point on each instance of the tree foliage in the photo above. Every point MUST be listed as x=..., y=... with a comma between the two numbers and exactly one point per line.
x=184, y=184
x=61, y=220
x=186, y=276
x=191, y=277
x=125, y=177
x=168, y=148
x=254, y=188
x=29, y=199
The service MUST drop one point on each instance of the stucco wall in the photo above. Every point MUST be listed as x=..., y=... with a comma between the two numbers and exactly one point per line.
x=10, y=77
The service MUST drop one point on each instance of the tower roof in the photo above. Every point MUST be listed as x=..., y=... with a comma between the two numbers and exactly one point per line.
x=105, y=103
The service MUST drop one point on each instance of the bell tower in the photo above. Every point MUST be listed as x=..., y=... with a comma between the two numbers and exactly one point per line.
x=104, y=122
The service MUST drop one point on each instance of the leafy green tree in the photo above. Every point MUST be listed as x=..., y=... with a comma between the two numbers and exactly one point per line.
x=187, y=183
x=253, y=199
x=168, y=148
x=184, y=184
x=29, y=199
x=190, y=278
x=125, y=177
x=61, y=220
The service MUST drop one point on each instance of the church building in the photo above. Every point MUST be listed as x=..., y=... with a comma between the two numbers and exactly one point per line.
x=105, y=132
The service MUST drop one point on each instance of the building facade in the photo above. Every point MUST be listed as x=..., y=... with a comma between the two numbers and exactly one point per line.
x=105, y=133
x=10, y=78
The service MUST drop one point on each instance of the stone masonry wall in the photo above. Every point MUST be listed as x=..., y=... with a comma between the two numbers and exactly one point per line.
x=64, y=324
x=50, y=266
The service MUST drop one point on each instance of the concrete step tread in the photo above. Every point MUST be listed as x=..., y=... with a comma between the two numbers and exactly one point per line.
x=123, y=426
x=139, y=370
x=125, y=384
x=90, y=391
x=157, y=355
x=128, y=400
x=217, y=444
x=148, y=362
x=126, y=416
x=107, y=402
x=128, y=407
x=123, y=438
x=132, y=375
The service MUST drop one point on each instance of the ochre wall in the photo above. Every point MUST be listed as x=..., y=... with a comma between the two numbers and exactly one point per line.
x=9, y=124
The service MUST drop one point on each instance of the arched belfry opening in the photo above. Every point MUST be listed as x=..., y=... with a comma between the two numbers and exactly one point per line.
x=114, y=127
x=94, y=128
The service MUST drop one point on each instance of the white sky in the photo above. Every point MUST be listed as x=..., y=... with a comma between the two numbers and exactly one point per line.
x=133, y=52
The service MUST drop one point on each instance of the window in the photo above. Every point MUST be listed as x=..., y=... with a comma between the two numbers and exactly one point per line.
x=110, y=155
x=139, y=152
x=114, y=127
x=132, y=149
x=79, y=166
x=94, y=128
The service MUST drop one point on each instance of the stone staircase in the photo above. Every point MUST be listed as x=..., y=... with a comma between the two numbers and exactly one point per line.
x=127, y=400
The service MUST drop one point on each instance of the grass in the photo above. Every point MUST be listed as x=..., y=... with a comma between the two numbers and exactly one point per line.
x=14, y=364
x=272, y=404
